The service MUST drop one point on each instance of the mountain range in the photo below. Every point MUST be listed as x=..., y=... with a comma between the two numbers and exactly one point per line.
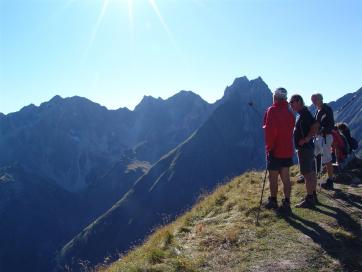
x=88, y=153
x=80, y=182
x=224, y=146
x=73, y=140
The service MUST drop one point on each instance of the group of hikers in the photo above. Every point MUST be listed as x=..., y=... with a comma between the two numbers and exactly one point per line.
x=317, y=140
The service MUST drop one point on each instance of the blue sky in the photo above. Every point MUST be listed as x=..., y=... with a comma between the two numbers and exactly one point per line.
x=115, y=51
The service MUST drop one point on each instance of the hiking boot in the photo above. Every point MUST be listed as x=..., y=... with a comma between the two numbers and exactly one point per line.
x=272, y=204
x=307, y=202
x=328, y=185
x=316, y=201
x=285, y=207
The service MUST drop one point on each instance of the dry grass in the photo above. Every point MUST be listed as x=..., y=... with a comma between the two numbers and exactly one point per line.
x=219, y=234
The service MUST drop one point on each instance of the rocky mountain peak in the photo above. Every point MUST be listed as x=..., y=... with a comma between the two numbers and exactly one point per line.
x=56, y=99
x=255, y=91
x=186, y=97
x=148, y=101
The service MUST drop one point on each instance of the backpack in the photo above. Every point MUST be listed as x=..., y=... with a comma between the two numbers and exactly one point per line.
x=346, y=148
x=353, y=143
x=340, y=144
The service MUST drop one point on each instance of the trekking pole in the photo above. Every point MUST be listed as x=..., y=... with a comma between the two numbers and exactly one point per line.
x=261, y=198
x=318, y=162
x=317, y=172
x=320, y=172
x=251, y=104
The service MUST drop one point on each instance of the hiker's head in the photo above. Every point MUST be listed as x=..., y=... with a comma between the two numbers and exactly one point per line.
x=296, y=102
x=342, y=127
x=280, y=94
x=317, y=99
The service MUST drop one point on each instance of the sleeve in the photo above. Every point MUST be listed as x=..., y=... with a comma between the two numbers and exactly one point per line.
x=330, y=118
x=327, y=120
x=270, y=130
x=292, y=118
x=311, y=120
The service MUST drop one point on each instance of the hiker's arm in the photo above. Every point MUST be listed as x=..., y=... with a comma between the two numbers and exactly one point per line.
x=326, y=122
x=270, y=131
x=312, y=132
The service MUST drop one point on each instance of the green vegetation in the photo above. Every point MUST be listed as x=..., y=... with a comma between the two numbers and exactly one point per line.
x=219, y=234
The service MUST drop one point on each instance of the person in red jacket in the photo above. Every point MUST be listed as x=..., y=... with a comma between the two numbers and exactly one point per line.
x=278, y=128
x=338, y=146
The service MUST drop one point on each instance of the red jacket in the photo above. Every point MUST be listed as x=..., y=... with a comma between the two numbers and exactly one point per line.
x=338, y=146
x=278, y=127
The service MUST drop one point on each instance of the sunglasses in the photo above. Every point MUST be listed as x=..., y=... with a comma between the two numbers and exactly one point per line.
x=292, y=101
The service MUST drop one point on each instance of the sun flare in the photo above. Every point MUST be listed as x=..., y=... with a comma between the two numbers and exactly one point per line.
x=126, y=5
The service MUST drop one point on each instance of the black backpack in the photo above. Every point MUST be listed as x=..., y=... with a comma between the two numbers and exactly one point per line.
x=346, y=148
x=353, y=143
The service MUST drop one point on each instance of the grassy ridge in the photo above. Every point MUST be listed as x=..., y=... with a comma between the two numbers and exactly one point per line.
x=219, y=234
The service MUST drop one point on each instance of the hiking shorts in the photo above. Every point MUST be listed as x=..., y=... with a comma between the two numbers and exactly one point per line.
x=306, y=160
x=324, y=144
x=275, y=164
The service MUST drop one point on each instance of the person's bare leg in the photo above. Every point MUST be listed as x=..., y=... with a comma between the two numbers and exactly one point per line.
x=329, y=169
x=285, y=177
x=273, y=182
x=310, y=182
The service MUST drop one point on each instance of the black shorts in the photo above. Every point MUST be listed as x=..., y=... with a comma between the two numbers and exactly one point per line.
x=306, y=160
x=275, y=164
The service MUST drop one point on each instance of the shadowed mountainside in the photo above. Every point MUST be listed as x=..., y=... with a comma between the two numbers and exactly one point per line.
x=226, y=145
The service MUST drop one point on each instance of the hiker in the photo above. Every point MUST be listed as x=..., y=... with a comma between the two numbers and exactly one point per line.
x=278, y=127
x=340, y=149
x=324, y=115
x=306, y=127
x=351, y=142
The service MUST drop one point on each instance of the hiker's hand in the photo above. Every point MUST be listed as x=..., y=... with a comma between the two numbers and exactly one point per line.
x=302, y=141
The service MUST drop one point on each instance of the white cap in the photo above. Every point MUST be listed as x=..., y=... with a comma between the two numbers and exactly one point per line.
x=281, y=93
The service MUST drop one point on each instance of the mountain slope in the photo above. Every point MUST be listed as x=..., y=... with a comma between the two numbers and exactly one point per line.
x=36, y=218
x=77, y=159
x=163, y=124
x=219, y=233
x=108, y=189
x=226, y=145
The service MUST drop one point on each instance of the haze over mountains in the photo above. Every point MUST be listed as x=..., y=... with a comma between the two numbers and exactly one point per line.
x=80, y=182
x=74, y=140
x=75, y=146
x=227, y=144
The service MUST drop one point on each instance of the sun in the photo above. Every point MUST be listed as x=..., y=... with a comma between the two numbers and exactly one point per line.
x=129, y=5
x=130, y=12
